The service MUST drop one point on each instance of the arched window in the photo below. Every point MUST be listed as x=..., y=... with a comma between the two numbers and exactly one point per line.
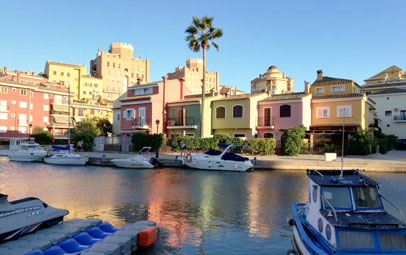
x=268, y=135
x=220, y=112
x=238, y=111
x=284, y=111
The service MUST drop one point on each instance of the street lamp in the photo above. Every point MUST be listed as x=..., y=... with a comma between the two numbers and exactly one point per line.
x=29, y=132
x=157, y=125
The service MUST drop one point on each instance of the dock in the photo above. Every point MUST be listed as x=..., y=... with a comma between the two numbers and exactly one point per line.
x=84, y=236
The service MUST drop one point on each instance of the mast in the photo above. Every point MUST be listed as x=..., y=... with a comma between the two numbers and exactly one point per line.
x=69, y=115
x=342, y=156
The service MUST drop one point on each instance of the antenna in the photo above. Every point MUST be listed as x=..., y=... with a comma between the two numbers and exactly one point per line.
x=342, y=157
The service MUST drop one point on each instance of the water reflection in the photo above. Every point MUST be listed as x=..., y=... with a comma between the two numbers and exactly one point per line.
x=199, y=212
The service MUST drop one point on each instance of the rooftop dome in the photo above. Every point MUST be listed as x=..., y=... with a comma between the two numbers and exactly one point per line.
x=272, y=67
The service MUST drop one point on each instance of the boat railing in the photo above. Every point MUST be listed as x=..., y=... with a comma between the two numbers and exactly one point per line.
x=322, y=176
x=397, y=208
x=332, y=207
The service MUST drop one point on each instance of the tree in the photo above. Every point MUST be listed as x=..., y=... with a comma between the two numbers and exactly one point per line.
x=199, y=35
x=85, y=131
x=42, y=136
x=105, y=126
x=292, y=140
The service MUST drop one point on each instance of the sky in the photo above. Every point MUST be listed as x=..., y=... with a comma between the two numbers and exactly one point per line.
x=345, y=38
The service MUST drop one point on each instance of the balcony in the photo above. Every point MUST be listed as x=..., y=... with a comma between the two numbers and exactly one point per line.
x=140, y=123
x=399, y=118
x=182, y=123
x=265, y=123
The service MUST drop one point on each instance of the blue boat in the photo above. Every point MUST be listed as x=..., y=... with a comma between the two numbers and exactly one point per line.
x=345, y=214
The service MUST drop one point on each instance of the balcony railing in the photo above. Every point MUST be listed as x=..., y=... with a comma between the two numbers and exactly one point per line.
x=140, y=122
x=401, y=117
x=265, y=121
x=181, y=122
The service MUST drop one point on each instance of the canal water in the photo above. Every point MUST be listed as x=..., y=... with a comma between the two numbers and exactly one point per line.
x=199, y=212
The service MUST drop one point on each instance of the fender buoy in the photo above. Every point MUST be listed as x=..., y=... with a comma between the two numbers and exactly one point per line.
x=188, y=157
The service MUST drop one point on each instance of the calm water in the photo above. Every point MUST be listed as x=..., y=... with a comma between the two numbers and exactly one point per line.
x=199, y=212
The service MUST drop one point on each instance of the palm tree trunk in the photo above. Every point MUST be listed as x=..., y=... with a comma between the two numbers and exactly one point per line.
x=203, y=94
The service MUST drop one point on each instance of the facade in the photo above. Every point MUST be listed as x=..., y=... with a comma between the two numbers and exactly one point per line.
x=184, y=116
x=391, y=111
x=392, y=77
x=273, y=81
x=26, y=106
x=192, y=74
x=145, y=105
x=117, y=114
x=337, y=102
x=236, y=115
x=119, y=69
x=280, y=112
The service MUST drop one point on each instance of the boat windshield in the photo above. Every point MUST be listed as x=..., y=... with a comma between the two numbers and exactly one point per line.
x=338, y=197
x=366, y=197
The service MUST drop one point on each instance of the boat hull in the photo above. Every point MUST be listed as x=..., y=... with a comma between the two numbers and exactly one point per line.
x=143, y=165
x=66, y=161
x=218, y=166
x=26, y=157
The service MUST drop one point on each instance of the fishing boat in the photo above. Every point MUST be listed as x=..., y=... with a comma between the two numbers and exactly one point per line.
x=345, y=214
x=27, y=152
x=64, y=158
x=140, y=161
x=26, y=215
x=219, y=160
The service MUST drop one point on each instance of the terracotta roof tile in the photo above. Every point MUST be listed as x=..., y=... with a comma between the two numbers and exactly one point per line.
x=339, y=96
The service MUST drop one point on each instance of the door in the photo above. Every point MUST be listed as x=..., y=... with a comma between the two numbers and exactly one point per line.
x=142, y=114
x=267, y=117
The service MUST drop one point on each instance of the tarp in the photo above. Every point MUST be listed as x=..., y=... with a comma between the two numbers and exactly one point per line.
x=61, y=148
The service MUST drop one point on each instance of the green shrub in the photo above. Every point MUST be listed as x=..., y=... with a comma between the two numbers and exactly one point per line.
x=140, y=140
x=41, y=136
x=364, y=143
x=85, y=131
x=292, y=140
x=262, y=146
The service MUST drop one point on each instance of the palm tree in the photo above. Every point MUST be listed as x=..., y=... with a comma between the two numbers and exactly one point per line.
x=199, y=35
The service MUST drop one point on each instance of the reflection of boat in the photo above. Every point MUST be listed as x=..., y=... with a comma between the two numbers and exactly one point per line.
x=344, y=214
x=138, y=161
x=217, y=160
x=66, y=159
x=27, y=152
x=23, y=216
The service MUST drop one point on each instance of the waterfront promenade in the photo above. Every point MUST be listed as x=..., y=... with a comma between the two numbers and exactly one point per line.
x=393, y=161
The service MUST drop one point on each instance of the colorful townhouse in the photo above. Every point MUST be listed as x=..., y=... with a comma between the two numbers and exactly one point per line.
x=184, y=115
x=337, y=102
x=280, y=112
x=236, y=115
x=144, y=108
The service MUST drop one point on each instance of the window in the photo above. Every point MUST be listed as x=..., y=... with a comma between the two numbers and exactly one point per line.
x=129, y=114
x=114, y=65
x=268, y=135
x=119, y=66
x=388, y=113
x=392, y=240
x=31, y=106
x=13, y=102
x=3, y=115
x=46, y=107
x=355, y=240
x=238, y=111
x=68, y=74
x=45, y=119
x=323, y=112
x=284, y=111
x=338, y=197
x=23, y=92
x=13, y=89
x=3, y=129
x=45, y=95
x=30, y=118
x=4, y=89
x=242, y=135
x=80, y=112
x=21, y=130
x=319, y=90
x=344, y=111
x=267, y=117
x=220, y=112
x=61, y=73
x=3, y=105
x=84, y=92
x=336, y=89
x=366, y=197
x=108, y=64
x=23, y=104
x=22, y=118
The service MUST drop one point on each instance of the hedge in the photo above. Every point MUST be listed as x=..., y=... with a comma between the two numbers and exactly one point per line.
x=140, y=140
x=263, y=146
x=292, y=140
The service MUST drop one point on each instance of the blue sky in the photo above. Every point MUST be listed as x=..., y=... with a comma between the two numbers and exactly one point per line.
x=346, y=38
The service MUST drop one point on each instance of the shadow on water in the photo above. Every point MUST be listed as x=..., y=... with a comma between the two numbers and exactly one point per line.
x=199, y=212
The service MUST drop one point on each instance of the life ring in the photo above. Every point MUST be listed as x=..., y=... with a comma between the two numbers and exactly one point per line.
x=188, y=157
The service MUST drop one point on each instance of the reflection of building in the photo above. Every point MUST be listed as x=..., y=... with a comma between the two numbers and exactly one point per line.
x=273, y=81
x=192, y=74
x=119, y=69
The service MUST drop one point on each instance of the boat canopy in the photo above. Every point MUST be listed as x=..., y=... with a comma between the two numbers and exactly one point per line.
x=351, y=178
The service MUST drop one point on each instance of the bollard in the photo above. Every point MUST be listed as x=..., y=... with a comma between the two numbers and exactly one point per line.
x=255, y=160
x=176, y=159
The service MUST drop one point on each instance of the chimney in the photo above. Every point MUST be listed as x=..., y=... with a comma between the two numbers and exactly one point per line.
x=319, y=75
x=138, y=81
x=260, y=76
x=283, y=75
x=307, y=88
x=33, y=73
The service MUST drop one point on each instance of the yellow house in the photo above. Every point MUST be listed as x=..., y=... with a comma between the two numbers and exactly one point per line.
x=236, y=115
x=339, y=102
x=91, y=89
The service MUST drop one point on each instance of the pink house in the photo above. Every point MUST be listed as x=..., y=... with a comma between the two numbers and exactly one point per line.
x=144, y=108
x=280, y=112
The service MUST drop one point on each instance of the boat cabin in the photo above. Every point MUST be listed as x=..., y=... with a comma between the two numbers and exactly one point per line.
x=346, y=209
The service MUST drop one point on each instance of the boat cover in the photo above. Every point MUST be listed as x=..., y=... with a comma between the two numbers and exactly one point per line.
x=61, y=148
x=212, y=152
x=234, y=157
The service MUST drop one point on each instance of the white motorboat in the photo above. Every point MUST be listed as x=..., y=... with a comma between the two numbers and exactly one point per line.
x=66, y=159
x=140, y=161
x=219, y=160
x=26, y=215
x=27, y=152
